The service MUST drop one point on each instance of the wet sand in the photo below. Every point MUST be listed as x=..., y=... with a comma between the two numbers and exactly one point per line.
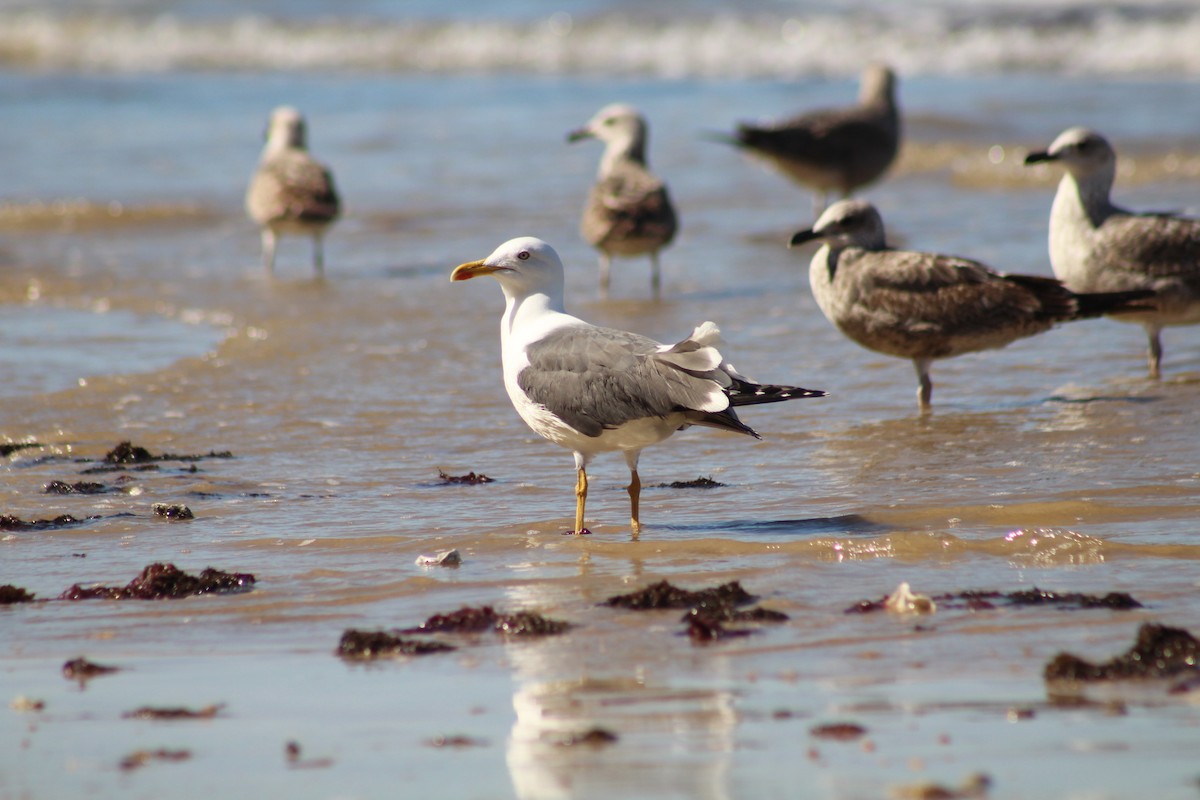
x=1053, y=463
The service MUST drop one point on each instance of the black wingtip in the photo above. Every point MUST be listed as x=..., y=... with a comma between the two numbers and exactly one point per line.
x=751, y=394
x=1098, y=304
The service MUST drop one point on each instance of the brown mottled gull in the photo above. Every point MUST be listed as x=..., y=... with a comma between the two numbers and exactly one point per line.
x=291, y=192
x=926, y=306
x=596, y=390
x=1096, y=246
x=628, y=211
x=833, y=150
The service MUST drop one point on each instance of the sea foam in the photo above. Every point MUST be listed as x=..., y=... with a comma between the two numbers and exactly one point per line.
x=927, y=39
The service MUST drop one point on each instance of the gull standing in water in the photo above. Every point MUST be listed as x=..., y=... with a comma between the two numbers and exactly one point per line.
x=628, y=211
x=1096, y=246
x=836, y=149
x=926, y=306
x=291, y=192
x=594, y=390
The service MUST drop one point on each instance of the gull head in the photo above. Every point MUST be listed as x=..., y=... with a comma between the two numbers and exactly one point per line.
x=877, y=85
x=286, y=129
x=621, y=127
x=523, y=266
x=1082, y=151
x=846, y=222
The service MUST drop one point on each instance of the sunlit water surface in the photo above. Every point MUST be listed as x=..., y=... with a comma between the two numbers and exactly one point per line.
x=1052, y=463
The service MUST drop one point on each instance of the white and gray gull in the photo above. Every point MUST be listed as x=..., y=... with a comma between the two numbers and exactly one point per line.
x=1096, y=246
x=926, y=306
x=628, y=212
x=594, y=390
x=835, y=149
x=290, y=191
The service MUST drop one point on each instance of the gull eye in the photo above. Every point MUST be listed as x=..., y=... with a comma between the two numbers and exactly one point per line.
x=523, y=255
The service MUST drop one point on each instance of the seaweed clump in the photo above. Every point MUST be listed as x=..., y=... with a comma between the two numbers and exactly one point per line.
x=366, y=645
x=838, y=731
x=11, y=595
x=696, y=483
x=983, y=600
x=128, y=455
x=471, y=478
x=1116, y=601
x=151, y=712
x=1159, y=652
x=166, y=581
x=141, y=758
x=592, y=737
x=701, y=628
x=484, y=618
x=82, y=670
x=172, y=511
x=707, y=610
x=79, y=487
x=8, y=448
x=10, y=523
x=665, y=595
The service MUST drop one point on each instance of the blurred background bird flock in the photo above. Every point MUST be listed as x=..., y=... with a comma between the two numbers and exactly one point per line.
x=635, y=174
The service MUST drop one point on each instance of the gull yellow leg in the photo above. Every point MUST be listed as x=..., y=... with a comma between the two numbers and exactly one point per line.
x=635, y=494
x=580, y=500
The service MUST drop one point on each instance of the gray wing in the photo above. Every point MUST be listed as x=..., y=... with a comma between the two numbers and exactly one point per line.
x=629, y=204
x=292, y=186
x=860, y=141
x=1157, y=246
x=941, y=305
x=600, y=378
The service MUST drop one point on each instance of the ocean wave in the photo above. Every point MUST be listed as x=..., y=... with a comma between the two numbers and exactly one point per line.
x=1126, y=40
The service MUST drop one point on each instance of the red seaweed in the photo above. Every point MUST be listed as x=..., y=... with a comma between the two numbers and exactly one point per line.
x=163, y=581
x=1158, y=652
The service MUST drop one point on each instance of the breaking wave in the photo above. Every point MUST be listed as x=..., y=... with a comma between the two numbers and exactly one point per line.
x=1131, y=39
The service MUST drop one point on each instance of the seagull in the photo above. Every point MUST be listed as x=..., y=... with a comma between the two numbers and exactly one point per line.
x=291, y=192
x=836, y=149
x=628, y=212
x=925, y=306
x=1096, y=246
x=594, y=390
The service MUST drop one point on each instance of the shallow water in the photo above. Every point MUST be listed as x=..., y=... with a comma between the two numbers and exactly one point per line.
x=1052, y=463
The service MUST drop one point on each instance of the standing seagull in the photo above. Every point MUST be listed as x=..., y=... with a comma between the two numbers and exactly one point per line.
x=628, y=212
x=595, y=390
x=1096, y=246
x=291, y=192
x=926, y=306
x=836, y=149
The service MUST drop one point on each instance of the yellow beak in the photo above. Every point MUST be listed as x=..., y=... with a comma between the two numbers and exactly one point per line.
x=472, y=269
